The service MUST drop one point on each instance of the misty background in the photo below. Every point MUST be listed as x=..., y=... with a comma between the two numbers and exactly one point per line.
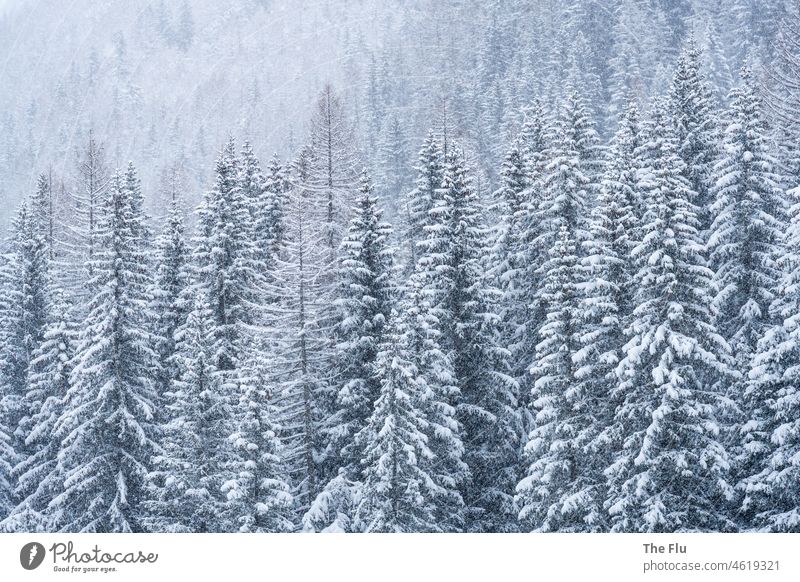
x=164, y=82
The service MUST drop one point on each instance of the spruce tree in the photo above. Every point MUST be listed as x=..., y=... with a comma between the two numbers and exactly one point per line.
x=396, y=492
x=251, y=182
x=363, y=303
x=335, y=506
x=508, y=259
x=671, y=472
x=604, y=305
x=269, y=224
x=393, y=160
x=438, y=396
x=520, y=275
x=185, y=485
x=224, y=259
x=170, y=294
x=93, y=188
x=695, y=126
x=106, y=430
x=569, y=175
x=553, y=497
x=419, y=202
x=259, y=499
x=769, y=480
x=749, y=220
x=453, y=251
x=747, y=226
x=24, y=311
x=7, y=460
x=48, y=383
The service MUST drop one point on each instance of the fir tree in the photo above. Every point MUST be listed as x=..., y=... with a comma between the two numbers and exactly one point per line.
x=748, y=220
x=48, y=383
x=333, y=509
x=453, y=281
x=363, y=303
x=24, y=312
x=258, y=497
x=770, y=478
x=671, y=471
x=270, y=227
x=106, y=428
x=605, y=302
x=250, y=182
x=519, y=274
x=396, y=491
x=170, y=301
x=553, y=497
x=224, y=261
x=569, y=179
x=695, y=128
x=438, y=395
x=7, y=461
x=393, y=160
x=419, y=202
x=185, y=486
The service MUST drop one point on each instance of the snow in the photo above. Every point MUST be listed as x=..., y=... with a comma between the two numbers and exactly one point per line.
x=574, y=309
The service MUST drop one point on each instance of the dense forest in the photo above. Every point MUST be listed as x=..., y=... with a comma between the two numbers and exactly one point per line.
x=576, y=308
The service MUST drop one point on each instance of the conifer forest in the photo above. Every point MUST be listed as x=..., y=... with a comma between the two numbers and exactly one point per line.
x=411, y=266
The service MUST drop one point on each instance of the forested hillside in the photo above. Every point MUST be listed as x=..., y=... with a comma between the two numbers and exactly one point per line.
x=403, y=267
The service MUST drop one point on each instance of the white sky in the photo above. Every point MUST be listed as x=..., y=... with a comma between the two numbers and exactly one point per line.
x=4, y=4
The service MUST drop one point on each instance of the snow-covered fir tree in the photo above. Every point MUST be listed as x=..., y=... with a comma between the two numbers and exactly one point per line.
x=106, y=430
x=748, y=220
x=48, y=382
x=94, y=183
x=555, y=495
x=251, y=181
x=170, y=302
x=769, y=480
x=363, y=305
x=570, y=175
x=23, y=313
x=695, y=125
x=519, y=258
x=7, y=461
x=269, y=223
x=419, y=202
x=334, y=507
x=259, y=499
x=508, y=266
x=393, y=161
x=672, y=469
x=605, y=301
x=438, y=395
x=194, y=462
x=224, y=259
x=396, y=495
x=452, y=253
